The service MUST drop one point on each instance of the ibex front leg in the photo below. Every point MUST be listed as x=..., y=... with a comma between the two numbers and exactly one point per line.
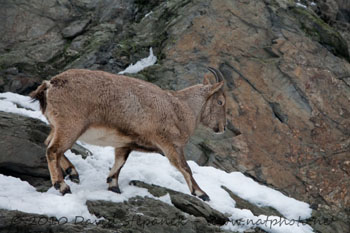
x=177, y=158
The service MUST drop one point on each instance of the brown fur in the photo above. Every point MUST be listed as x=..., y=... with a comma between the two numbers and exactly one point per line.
x=126, y=113
x=39, y=94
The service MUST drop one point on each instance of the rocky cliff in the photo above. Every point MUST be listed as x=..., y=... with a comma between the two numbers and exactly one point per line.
x=286, y=68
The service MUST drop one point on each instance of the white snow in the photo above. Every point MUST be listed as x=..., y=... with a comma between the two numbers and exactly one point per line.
x=140, y=65
x=301, y=5
x=298, y=4
x=148, y=14
x=151, y=168
x=9, y=103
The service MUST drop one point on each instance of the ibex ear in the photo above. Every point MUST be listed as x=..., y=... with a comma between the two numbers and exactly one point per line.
x=206, y=80
x=215, y=87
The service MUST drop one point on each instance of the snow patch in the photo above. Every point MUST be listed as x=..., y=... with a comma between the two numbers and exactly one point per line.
x=148, y=14
x=22, y=105
x=140, y=65
x=301, y=5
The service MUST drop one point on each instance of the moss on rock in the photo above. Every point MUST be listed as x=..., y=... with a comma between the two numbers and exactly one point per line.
x=320, y=31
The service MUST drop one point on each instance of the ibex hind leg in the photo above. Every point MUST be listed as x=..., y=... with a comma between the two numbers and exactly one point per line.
x=69, y=169
x=121, y=155
x=63, y=138
x=67, y=166
x=49, y=137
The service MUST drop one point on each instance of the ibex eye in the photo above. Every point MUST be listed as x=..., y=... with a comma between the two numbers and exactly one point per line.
x=219, y=102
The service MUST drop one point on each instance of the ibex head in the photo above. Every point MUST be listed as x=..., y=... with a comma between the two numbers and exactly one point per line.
x=214, y=112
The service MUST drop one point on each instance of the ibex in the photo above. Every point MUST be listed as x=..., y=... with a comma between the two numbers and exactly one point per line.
x=128, y=114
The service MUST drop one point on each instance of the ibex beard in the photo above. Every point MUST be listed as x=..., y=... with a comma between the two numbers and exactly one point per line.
x=128, y=114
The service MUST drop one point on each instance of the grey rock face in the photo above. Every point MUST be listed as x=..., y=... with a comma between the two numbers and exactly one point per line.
x=75, y=28
x=148, y=215
x=16, y=221
x=37, y=34
x=21, y=145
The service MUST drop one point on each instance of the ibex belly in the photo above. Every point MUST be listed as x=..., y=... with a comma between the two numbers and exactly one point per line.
x=102, y=136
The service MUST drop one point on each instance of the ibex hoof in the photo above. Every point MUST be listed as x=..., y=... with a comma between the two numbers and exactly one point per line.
x=74, y=178
x=62, y=187
x=73, y=175
x=204, y=197
x=114, y=189
x=66, y=190
x=57, y=185
x=68, y=170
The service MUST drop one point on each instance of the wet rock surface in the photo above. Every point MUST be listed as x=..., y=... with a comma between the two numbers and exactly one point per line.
x=287, y=77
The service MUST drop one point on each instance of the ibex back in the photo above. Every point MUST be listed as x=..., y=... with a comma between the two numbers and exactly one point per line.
x=129, y=114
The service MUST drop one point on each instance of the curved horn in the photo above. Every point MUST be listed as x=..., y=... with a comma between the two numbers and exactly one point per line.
x=218, y=75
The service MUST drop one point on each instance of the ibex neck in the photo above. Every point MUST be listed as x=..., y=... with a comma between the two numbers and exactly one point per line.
x=194, y=98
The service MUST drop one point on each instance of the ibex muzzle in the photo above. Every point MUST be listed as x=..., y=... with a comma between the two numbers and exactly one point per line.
x=129, y=114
